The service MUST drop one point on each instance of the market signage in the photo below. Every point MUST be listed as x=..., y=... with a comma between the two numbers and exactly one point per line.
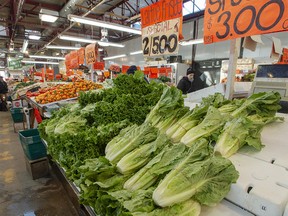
x=91, y=52
x=161, y=27
x=14, y=64
x=230, y=19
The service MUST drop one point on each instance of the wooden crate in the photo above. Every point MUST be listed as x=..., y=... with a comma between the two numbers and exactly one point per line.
x=37, y=168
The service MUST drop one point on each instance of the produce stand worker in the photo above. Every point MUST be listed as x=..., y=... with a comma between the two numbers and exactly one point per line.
x=191, y=82
x=185, y=84
x=3, y=94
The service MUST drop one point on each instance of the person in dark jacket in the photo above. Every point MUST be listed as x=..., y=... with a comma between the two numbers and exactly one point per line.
x=3, y=94
x=132, y=69
x=191, y=82
x=185, y=84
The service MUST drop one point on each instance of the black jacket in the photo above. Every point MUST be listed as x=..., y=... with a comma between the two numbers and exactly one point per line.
x=3, y=87
x=187, y=86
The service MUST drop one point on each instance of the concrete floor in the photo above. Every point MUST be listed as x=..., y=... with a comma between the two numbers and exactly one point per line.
x=19, y=194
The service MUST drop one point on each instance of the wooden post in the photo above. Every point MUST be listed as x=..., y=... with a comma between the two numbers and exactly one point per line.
x=231, y=69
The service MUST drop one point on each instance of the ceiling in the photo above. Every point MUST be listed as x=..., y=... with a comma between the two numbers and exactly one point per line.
x=19, y=16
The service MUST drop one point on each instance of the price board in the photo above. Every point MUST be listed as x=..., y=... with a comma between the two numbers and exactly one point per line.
x=91, y=52
x=161, y=27
x=230, y=19
x=161, y=38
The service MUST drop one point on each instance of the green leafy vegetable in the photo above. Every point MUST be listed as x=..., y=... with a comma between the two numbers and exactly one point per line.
x=125, y=143
x=212, y=123
x=170, y=100
x=187, y=208
x=137, y=158
x=156, y=168
x=205, y=181
x=263, y=103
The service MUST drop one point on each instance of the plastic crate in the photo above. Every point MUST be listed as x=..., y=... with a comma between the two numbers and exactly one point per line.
x=32, y=144
x=17, y=115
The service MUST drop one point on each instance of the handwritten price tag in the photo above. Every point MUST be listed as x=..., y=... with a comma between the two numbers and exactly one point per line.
x=161, y=38
x=91, y=53
x=229, y=19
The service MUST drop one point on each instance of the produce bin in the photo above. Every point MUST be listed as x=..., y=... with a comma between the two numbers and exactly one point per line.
x=32, y=144
x=17, y=116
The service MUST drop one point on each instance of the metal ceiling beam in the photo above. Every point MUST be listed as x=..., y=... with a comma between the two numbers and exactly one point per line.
x=128, y=4
x=4, y=4
x=117, y=5
x=49, y=6
x=29, y=24
x=72, y=24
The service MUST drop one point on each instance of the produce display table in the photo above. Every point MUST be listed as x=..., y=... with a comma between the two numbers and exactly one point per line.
x=43, y=108
x=72, y=190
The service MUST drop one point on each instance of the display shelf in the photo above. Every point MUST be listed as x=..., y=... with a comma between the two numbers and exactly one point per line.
x=71, y=188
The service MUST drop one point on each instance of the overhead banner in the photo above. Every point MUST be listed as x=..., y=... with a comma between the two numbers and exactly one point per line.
x=161, y=27
x=91, y=52
x=230, y=19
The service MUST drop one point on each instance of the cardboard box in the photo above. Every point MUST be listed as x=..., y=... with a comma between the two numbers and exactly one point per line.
x=37, y=168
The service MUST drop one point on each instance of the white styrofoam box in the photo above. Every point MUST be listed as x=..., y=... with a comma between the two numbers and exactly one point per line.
x=242, y=86
x=275, y=138
x=197, y=96
x=286, y=211
x=224, y=208
x=262, y=188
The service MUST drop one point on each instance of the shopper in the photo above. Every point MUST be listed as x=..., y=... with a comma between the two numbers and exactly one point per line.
x=185, y=84
x=132, y=69
x=3, y=94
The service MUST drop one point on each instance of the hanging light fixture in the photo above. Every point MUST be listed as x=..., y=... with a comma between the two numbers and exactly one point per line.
x=48, y=15
x=88, y=40
x=102, y=24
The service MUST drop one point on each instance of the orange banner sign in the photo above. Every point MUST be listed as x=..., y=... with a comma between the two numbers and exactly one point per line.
x=91, y=53
x=229, y=19
x=161, y=11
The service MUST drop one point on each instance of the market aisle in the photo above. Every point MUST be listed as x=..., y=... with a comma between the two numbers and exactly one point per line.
x=19, y=194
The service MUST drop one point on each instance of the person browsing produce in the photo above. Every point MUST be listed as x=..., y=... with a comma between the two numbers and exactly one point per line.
x=3, y=94
x=132, y=69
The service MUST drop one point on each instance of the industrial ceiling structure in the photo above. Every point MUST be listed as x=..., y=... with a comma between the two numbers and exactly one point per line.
x=38, y=23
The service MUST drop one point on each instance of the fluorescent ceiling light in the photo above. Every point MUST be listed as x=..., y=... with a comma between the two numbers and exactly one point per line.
x=101, y=43
x=191, y=42
x=24, y=46
x=48, y=15
x=87, y=40
x=114, y=57
x=77, y=39
x=34, y=37
x=62, y=47
x=136, y=52
x=46, y=57
x=102, y=24
x=39, y=62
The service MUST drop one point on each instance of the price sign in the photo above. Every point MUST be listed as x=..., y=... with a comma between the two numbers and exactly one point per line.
x=161, y=27
x=91, y=53
x=229, y=19
x=161, y=38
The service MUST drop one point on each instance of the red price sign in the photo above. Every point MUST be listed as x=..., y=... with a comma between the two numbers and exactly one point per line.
x=229, y=19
